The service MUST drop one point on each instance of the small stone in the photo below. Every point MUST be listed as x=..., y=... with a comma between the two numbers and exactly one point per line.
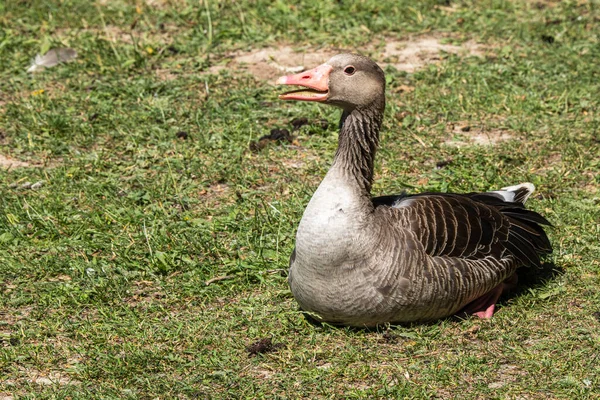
x=37, y=185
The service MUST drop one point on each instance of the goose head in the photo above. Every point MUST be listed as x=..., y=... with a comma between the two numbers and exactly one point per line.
x=349, y=81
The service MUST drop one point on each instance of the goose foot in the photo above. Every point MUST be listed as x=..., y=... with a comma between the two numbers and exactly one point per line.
x=484, y=306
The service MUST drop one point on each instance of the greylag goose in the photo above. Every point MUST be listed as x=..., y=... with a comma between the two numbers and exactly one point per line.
x=364, y=261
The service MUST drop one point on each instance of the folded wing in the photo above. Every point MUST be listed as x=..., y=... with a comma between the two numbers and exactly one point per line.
x=471, y=226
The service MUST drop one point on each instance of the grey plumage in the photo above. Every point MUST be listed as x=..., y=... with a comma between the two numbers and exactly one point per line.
x=52, y=58
x=364, y=261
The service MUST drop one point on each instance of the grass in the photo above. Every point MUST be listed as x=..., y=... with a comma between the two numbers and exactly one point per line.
x=104, y=267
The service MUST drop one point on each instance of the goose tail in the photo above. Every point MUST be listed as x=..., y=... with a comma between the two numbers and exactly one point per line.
x=516, y=193
x=527, y=238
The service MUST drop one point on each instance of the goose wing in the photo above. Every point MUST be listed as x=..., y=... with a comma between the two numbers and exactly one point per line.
x=472, y=226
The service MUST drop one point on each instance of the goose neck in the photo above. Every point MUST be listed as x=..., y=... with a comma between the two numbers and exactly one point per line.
x=358, y=142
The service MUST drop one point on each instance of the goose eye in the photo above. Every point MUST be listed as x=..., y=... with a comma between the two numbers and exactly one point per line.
x=349, y=70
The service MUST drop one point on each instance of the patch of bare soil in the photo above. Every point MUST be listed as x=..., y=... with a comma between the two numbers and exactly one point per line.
x=150, y=40
x=542, y=4
x=163, y=4
x=9, y=163
x=41, y=378
x=160, y=4
x=272, y=62
x=404, y=55
x=51, y=378
x=145, y=292
x=166, y=74
x=216, y=195
x=463, y=134
x=415, y=54
x=157, y=36
x=507, y=374
x=591, y=187
x=552, y=162
x=6, y=162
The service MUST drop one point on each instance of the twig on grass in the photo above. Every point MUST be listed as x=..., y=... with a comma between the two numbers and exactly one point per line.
x=219, y=278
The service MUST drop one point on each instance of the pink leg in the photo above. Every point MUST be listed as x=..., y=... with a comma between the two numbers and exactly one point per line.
x=484, y=306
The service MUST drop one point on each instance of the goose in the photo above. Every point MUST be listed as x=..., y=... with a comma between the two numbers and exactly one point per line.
x=364, y=261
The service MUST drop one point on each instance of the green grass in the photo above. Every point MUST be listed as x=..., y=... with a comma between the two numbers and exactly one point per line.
x=103, y=269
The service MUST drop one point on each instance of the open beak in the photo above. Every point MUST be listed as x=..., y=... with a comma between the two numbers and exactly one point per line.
x=315, y=84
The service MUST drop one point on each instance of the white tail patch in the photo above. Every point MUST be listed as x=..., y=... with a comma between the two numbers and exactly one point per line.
x=516, y=193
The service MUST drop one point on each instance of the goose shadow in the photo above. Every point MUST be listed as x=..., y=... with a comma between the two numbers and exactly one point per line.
x=531, y=278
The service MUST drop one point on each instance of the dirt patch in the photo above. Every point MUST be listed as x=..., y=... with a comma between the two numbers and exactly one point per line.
x=552, y=162
x=9, y=163
x=591, y=186
x=53, y=378
x=415, y=54
x=217, y=190
x=261, y=373
x=216, y=195
x=45, y=379
x=542, y=4
x=507, y=374
x=159, y=4
x=17, y=315
x=149, y=39
x=166, y=74
x=304, y=159
x=144, y=292
x=165, y=4
x=404, y=55
x=142, y=37
x=463, y=134
x=271, y=62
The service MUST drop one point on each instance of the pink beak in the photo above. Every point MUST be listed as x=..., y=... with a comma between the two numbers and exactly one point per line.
x=315, y=80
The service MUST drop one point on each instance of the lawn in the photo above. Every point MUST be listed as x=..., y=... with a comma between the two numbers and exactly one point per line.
x=145, y=231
